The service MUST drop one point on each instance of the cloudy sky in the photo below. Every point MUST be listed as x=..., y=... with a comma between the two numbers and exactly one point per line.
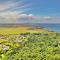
x=29, y=11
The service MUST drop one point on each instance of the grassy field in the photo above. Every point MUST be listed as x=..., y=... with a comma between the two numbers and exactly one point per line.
x=18, y=30
x=29, y=43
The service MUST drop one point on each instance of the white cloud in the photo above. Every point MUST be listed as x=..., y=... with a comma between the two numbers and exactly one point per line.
x=12, y=5
x=16, y=17
x=6, y=5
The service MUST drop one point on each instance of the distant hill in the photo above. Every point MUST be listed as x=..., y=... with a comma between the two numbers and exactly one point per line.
x=14, y=25
x=20, y=25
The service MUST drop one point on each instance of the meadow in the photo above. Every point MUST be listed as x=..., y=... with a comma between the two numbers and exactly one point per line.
x=29, y=43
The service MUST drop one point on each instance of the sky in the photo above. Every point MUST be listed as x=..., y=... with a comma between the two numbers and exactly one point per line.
x=29, y=11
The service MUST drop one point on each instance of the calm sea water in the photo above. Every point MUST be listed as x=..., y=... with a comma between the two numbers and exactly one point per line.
x=50, y=27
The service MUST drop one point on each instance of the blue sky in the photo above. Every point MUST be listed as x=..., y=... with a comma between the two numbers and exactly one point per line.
x=29, y=11
x=46, y=7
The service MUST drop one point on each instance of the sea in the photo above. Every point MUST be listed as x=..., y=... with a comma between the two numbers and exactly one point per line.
x=50, y=27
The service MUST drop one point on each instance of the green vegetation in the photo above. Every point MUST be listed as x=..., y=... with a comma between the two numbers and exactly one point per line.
x=30, y=46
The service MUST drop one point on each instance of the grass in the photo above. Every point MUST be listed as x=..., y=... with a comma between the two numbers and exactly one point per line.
x=28, y=43
x=18, y=30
